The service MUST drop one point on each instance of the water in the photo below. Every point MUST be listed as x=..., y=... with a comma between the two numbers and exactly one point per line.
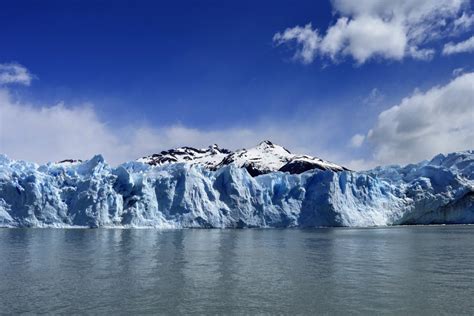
x=385, y=270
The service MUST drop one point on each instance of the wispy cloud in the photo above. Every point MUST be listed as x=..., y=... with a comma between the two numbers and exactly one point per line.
x=374, y=98
x=464, y=22
x=466, y=46
x=306, y=37
x=13, y=73
x=370, y=29
x=457, y=71
x=357, y=140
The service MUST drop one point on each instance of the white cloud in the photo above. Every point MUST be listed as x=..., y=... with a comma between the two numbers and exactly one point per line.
x=52, y=133
x=422, y=125
x=361, y=38
x=425, y=124
x=357, y=140
x=464, y=22
x=14, y=73
x=457, y=71
x=374, y=98
x=385, y=29
x=305, y=37
x=466, y=46
x=421, y=54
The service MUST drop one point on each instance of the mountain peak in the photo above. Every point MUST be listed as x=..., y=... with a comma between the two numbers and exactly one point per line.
x=265, y=143
x=264, y=158
x=208, y=156
x=217, y=149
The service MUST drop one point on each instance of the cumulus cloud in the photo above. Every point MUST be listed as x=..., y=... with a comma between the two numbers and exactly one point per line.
x=362, y=37
x=52, y=133
x=466, y=46
x=420, y=126
x=14, y=73
x=426, y=123
x=385, y=29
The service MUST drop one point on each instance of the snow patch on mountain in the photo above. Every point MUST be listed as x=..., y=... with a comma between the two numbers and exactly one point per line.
x=208, y=157
x=266, y=157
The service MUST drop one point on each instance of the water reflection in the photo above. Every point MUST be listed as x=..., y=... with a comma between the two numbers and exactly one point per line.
x=393, y=270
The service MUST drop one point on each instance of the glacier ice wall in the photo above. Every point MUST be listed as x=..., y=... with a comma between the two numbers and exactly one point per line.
x=93, y=194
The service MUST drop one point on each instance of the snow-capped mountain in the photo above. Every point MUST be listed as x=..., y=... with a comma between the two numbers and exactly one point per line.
x=266, y=157
x=94, y=194
x=208, y=157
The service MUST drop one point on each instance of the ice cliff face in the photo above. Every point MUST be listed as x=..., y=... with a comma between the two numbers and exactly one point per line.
x=93, y=194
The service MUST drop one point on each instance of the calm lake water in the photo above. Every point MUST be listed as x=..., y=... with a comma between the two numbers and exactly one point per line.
x=382, y=270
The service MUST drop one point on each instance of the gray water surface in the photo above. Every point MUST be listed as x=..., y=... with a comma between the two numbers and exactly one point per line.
x=414, y=270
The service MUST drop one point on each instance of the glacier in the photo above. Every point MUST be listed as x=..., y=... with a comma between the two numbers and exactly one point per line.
x=94, y=194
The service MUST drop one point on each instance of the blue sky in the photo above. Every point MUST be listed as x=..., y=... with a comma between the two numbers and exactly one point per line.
x=233, y=71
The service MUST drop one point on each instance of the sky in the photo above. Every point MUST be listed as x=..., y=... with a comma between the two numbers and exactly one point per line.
x=361, y=83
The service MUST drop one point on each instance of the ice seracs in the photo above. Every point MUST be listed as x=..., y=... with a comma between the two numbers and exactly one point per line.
x=179, y=195
x=264, y=158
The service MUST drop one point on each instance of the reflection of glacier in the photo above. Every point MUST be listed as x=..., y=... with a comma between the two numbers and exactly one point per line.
x=134, y=194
